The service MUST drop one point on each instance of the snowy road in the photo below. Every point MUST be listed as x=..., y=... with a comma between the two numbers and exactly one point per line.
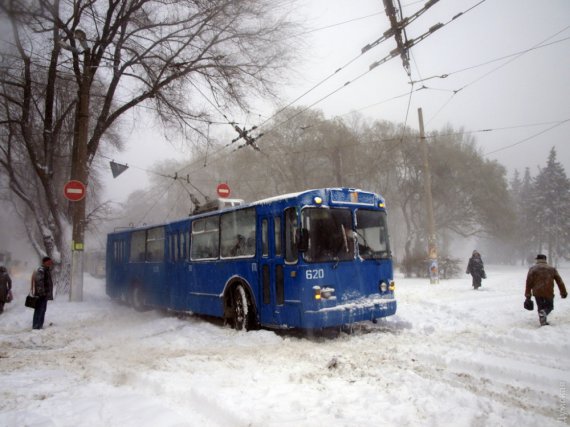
x=450, y=357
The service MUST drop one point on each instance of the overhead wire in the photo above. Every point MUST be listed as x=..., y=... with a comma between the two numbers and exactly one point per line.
x=516, y=56
x=388, y=57
x=373, y=66
x=528, y=138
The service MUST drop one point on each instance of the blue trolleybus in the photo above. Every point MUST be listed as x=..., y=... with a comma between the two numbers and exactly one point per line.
x=314, y=259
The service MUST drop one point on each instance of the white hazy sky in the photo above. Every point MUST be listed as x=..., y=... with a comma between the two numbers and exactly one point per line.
x=519, y=97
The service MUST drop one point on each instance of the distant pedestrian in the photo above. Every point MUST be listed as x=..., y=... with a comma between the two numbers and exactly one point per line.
x=5, y=288
x=42, y=287
x=476, y=269
x=540, y=284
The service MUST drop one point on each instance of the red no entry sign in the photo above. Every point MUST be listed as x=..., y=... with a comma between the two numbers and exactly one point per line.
x=74, y=190
x=223, y=190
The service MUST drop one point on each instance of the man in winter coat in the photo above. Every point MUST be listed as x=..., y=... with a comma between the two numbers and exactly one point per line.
x=42, y=286
x=540, y=284
x=5, y=287
x=476, y=268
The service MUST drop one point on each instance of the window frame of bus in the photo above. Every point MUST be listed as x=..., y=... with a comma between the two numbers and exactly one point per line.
x=383, y=231
x=238, y=234
x=155, y=239
x=317, y=251
x=291, y=227
x=207, y=229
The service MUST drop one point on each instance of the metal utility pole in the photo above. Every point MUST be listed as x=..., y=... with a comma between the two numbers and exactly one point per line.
x=432, y=241
x=79, y=172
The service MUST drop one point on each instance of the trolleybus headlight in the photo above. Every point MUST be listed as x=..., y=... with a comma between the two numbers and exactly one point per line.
x=383, y=287
x=318, y=200
x=392, y=286
x=381, y=205
x=317, y=290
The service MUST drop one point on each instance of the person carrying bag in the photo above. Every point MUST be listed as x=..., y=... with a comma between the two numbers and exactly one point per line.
x=42, y=290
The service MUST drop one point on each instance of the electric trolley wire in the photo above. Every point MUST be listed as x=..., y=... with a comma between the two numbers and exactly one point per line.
x=337, y=24
x=444, y=76
x=471, y=67
x=390, y=139
x=514, y=57
x=391, y=55
x=529, y=138
x=164, y=193
x=385, y=36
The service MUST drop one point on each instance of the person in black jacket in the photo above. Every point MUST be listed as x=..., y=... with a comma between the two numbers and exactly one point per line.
x=42, y=287
x=5, y=287
x=476, y=268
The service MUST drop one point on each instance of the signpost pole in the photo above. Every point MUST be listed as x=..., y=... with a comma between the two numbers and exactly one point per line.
x=432, y=241
x=79, y=173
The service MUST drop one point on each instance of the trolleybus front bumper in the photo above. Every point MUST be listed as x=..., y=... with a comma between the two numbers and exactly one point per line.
x=348, y=313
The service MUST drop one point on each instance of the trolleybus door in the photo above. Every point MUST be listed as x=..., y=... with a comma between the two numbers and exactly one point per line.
x=271, y=263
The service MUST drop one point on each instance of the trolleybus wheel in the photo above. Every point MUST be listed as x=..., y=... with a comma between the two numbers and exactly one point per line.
x=138, y=298
x=241, y=308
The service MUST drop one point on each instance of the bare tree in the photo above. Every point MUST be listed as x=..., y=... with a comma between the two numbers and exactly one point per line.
x=73, y=68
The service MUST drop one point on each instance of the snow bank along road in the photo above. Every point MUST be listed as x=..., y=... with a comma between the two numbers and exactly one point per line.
x=451, y=356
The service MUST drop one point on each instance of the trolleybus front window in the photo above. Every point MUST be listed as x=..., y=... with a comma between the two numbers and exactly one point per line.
x=372, y=234
x=330, y=234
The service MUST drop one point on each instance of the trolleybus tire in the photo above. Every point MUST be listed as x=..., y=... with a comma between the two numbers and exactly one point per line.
x=243, y=313
x=138, y=298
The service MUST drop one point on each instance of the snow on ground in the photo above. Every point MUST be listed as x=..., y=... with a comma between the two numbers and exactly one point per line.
x=450, y=357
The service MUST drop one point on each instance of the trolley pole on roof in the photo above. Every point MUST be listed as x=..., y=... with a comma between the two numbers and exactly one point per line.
x=432, y=241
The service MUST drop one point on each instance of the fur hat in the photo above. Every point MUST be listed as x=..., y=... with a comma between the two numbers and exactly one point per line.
x=541, y=256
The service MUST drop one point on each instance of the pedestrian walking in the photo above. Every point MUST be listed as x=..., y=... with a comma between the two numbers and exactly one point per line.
x=540, y=284
x=5, y=288
x=42, y=287
x=476, y=269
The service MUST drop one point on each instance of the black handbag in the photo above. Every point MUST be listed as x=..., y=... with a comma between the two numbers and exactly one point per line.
x=529, y=304
x=31, y=301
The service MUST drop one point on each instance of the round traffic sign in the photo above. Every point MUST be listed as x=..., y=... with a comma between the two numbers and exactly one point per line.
x=223, y=190
x=74, y=190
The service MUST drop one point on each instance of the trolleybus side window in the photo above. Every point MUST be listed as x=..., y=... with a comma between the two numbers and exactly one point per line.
x=238, y=233
x=277, y=237
x=291, y=228
x=173, y=246
x=372, y=234
x=205, y=238
x=138, y=241
x=119, y=251
x=155, y=244
x=264, y=238
x=186, y=244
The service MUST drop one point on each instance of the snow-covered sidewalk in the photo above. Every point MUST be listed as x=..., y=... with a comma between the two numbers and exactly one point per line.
x=451, y=356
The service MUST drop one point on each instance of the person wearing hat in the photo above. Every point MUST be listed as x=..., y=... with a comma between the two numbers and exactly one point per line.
x=42, y=287
x=540, y=284
x=476, y=269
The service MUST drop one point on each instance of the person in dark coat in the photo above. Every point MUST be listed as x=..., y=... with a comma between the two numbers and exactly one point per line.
x=42, y=287
x=5, y=287
x=476, y=269
x=540, y=284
